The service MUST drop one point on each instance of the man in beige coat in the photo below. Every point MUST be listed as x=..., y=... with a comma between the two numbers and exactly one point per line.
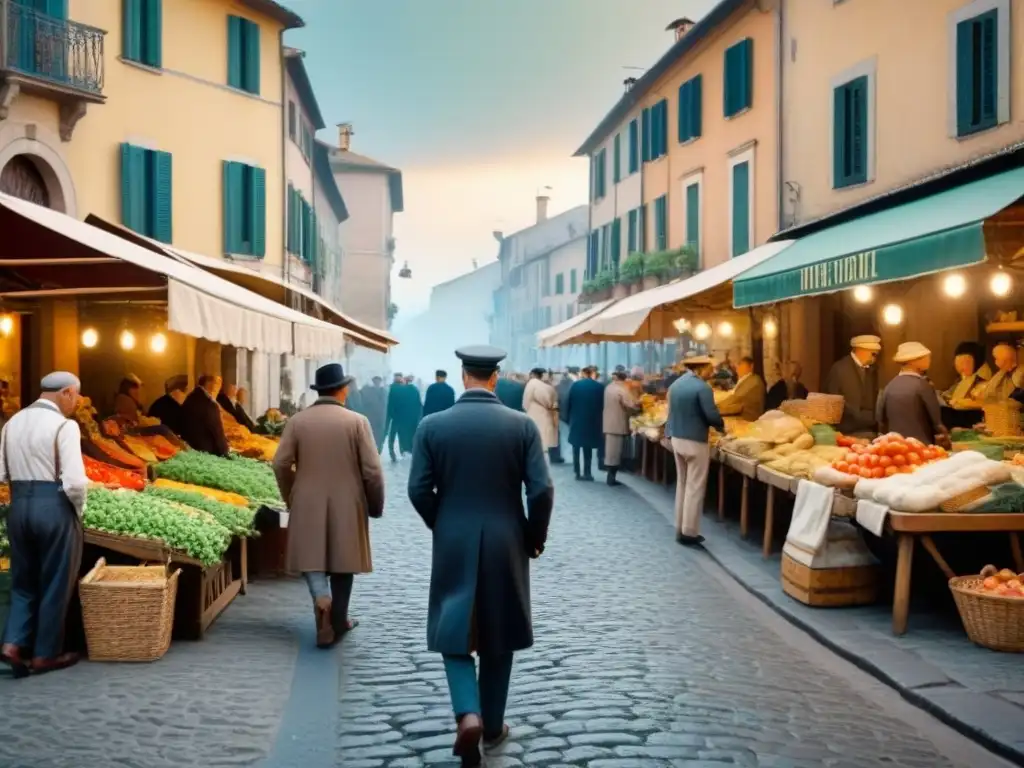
x=540, y=401
x=619, y=405
x=329, y=473
x=746, y=399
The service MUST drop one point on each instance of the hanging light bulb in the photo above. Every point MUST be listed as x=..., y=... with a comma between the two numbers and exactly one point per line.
x=6, y=325
x=725, y=329
x=771, y=328
x=863, y=294
x=1001, y=284
x=158, y=343
x=892, y=314
x=682, y=325
x=702, y=331
x=954, y=285
x=126, y=340
x=90, y=338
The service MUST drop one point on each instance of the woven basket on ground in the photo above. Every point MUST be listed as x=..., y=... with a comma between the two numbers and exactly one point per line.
x=965, y=500
x=1003, y=419
x=991, y=621
x=128, y=611
x=828, y=409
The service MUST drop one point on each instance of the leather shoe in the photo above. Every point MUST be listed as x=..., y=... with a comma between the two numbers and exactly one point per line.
x=41, y=666
x=467, y=740
x=324, y=629
x=10, y=654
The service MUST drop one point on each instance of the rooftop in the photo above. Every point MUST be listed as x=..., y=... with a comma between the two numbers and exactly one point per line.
x=348, y=161
x=287, y=18
x=293, y=59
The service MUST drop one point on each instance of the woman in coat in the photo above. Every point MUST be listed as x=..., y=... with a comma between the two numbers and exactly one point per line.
x=540, y=401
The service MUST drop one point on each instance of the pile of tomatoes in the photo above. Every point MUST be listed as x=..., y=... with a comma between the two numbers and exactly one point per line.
x=885, y=456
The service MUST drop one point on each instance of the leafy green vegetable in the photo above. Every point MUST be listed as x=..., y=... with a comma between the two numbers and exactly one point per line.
x=5, y=544
x=247, y=477
x=238, y=520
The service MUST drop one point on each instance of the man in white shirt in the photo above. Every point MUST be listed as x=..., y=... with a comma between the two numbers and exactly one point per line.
x=41, y=458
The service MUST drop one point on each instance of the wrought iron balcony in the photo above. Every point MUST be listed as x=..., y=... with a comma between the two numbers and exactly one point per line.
x=50, y=57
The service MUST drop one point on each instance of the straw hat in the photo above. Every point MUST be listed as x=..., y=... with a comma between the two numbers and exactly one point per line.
x=697, y=360
x=868, y=342
x=911, y=350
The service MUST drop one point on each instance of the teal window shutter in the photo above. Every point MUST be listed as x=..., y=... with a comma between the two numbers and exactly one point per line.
x=131, y=30
x=634, y=145
x=645, y=137
x=690, y=109
x=739, y=77
x=631, y=232
x=228, y=209
x=258, y=198
x=235, y=209
x=850, y=133
x=152, y=33
x=663, y=127
x=161, y=197
x=693, y=217
x=977, y=73
x=661, y=223
x=559, y=284
x=134, y=193
x=617, y=159
x=572, y=281
x=643, y=229
x=289, y=243
x=616, y=242
x=740, y=208
x=606, y=245
x=251, y=62
x=235, y=51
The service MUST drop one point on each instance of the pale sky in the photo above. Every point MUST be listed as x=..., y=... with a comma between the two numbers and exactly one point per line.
x=480, y=103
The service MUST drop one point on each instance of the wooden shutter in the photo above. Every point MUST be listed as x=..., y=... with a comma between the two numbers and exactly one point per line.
x=133, y=188
x=746, y=74
x=152, y=33
x=977, y=73
x=643, y=229
x=617, y=158
x=131, y=29
x=251, y=52
x=572, y=281
x=161, y=197
x=234, y=199
x=661, y=222
x=631, y=233
x=616, y=242
x=683, y=116
x=850, y=133
x=634, y=145
x=740, y=208
x=729, y=83
x=693, y=217
x=258, y=207
x=289, y=243
x=988, y=25
x=695, y=104
x=645, y=135
x=739, y=77
x=57, y=9
x=235, y=51
x=839, y=133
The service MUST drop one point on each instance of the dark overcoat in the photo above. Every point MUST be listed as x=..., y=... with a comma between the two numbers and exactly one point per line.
x=563, y=398
x=585, y=409
x=440, y=397
x=404, y=411
x=201, y=425
x=469, y=466
x=373, y=400
x=510, y=392
x=859, y=388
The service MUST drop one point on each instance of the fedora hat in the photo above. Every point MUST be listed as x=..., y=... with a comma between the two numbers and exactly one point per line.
x=329, y=378
x=910, y=350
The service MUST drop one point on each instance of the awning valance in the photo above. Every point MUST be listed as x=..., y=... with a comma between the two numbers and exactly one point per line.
x=557, y=335
x=935, y=233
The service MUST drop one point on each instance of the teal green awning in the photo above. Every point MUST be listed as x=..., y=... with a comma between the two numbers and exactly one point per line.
x=935, y=233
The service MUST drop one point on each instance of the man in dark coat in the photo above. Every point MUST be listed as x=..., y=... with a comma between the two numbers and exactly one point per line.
x=404, y=411
x=354, y=401
x=585, y=412
x=227, y=399
x=469, y=466
x=168, y=407
x=202, y=428
x=440, y=395
x=510, y=392
x=855, y=378
x=374, y=400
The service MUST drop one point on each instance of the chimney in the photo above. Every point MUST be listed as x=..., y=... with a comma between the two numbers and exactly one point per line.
x=542, y=208
x=345, y=133
x=628, y=83
x=681, y=27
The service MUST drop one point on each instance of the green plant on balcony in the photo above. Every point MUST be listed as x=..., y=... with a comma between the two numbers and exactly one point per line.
x=685, y=260
x=659, y=264
x=632, y=269
x=392, y=312
x=604, y=279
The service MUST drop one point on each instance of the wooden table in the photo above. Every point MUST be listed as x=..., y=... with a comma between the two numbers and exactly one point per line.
x=773, y=481
x=747, y=468
x=911, y=526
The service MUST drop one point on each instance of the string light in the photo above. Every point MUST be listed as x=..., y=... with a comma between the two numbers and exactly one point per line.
x=158, y=343
x=127, y=340
x=863, y=294
x=6, y=325
x=725, y=329
x=771, y=328
x=702, y=331
x=1001, y=284
x=90, y=338
x=892, y=314
x=954, y=286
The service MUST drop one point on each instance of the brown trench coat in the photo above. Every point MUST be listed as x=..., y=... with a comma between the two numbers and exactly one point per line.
x=329, y=473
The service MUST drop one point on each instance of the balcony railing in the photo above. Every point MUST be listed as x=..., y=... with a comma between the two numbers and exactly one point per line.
x=41, y=46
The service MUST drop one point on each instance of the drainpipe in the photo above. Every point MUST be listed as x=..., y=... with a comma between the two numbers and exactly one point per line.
x=284, y=155
x=780, y=52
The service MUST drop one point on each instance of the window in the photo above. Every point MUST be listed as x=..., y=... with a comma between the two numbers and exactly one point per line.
x=560, y=284
x=632, y=219
x=600, y=163
x=740, y=209
x=572, y=281
x=645, y=137
x=977, y=73
x=642, y=245
x=634, y=146
x=307, y=141
x=658, y=128
x=661, y=223
x=739, y=77
x=693, y=217
x=243, y=54
x=606, y=242
x=617, y=159
x=146, y=192
x=292, y=121
x=141, y=38
x=850, y=133
x=616, y=245
x=690, y=109
x=593, y=251
x=245, y=209
x=545, y=278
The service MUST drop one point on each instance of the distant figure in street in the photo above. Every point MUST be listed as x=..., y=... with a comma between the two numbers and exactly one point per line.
x=619, y=405
x=404, y=411
x=572, y=375
x=354, y=401
x=242, y=404
x=470, y=464
x=440, y=395
x=328, y=471
x=691, y=413
x=510, y=392
x=202, y=427
x=374, y=401
x=167, y=407
x=41, y=458
x=540, y=401
x=585, y=411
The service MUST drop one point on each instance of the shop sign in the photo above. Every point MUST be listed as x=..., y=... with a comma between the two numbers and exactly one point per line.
x=845, y=271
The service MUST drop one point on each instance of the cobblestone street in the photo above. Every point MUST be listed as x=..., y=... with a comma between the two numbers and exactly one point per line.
x=646, y=655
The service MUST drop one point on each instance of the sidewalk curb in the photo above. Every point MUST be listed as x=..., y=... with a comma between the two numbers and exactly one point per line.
x=995, y=746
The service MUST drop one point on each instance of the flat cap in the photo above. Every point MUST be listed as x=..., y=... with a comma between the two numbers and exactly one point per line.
x=177, y=383
x=868, y=342
x=482, y=357
x=58, y=380
x=697, y=360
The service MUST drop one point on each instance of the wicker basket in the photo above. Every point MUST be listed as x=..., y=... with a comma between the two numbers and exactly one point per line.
x=991, y=621
x=828, y=409
x=795, y=408
x=965, y=500
x=128, y=611
x=1003, y=419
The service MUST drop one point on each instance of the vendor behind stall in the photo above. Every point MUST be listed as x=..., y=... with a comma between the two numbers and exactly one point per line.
x=909, y=404
x=1008, y=375
x=202, y=427
x=787, y=387
x=962, y=406
x=855, y=378
x=167, y=407
x=746, y=399
x=127, y=407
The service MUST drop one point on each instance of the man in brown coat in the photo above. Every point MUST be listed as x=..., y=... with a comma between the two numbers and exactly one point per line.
x=329, y=473
x=619, y=405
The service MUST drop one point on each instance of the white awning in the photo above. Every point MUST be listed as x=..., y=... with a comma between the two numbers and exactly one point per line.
x=556, y=334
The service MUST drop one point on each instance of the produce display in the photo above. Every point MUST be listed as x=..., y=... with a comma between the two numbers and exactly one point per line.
x=238, y=520
x=144, y=516
x=885, y=456
x=96, y=445
x=252, y=479
x=272, y=422
x=5, y=544
x=5, y=495
x=1004, y=583
x=212, y=493
x=245, y=442
x=107, y=474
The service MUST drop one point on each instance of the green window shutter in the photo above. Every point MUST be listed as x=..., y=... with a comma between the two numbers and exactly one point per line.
x=289, y=220
x=739, y=77
x=228, y=213
x=645, y=135
x=643, y=229
x=839, y=133
x=616, y=242
x=683, y=113
x=631, y=232
x=131, y=29
x=572, y=281
x=559, y=284
x=235, y=55
x=740, y=208
x=663, y=132
x=251, y=61
x=850, y=133
x=152, y=33
x=693, y=217
x=690, y=97
x=617, y=159
x=234, y=211
x=58, y=9
x=133, y=188
x=161, y=196
x=747, y=74
x=634, y=145
x=258, y=216
x=977, y=74
x=661, y=223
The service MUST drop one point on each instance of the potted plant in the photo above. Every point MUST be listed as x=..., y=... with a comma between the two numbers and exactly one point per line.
x=684, y=262
x=631, y=272
x=657, y=267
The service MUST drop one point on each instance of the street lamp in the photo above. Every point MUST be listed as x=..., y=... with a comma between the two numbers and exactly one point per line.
x=405, y=272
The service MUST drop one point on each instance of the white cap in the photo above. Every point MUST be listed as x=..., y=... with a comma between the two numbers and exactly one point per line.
x=911, y=350
x=868, y=342
x=59, y=380
x=697, y=360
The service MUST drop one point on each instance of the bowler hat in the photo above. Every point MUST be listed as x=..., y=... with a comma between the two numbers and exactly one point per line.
x=329, y=378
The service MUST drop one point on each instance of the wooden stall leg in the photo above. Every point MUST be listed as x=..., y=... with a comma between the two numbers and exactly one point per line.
x=721, y=491
x=769, y=523
x=901, y=594
x=244, y=567
x=745, y=507
x=931, y=549
x=1018, y=555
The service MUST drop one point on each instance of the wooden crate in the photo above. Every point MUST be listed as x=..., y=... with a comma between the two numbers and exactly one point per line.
x=829, y=587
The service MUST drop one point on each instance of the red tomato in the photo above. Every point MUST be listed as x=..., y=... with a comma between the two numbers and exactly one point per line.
x=906, y=470
x=890, y=471
x=857, y=448
x=913, y=442
x=928, y=454
x=864, y=460
x=899, y=460
x=878, y=473
x=894, y=436
x=851, y=458
x=914, y=458
x=842, y=441
x=842, y=466
x=885, y=461
x=873, y=461
x=940, y=452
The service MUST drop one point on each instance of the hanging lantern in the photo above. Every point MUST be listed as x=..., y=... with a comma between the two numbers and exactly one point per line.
x=6, y=325
x=405, y=272
x=158, y=343
x=90, y=338
x=126, y=340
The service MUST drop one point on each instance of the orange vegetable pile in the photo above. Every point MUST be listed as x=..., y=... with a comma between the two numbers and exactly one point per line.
x=1004, y=583
x=106, y=474
x=885, y=456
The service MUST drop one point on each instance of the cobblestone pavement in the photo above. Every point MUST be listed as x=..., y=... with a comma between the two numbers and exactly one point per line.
x=643, y=658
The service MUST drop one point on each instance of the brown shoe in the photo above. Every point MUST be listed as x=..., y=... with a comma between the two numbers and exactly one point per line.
x=41, y=666
x=467, y=740
x=10, y=654
x=324, y=628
